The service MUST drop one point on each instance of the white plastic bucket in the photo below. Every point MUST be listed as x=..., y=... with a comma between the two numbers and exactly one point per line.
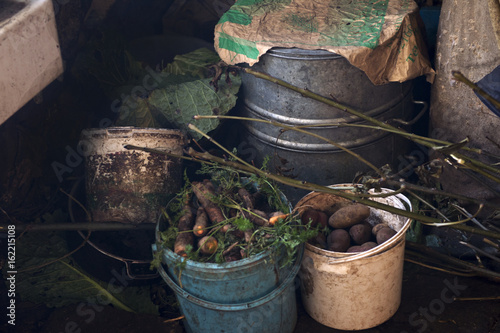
x=355, y=291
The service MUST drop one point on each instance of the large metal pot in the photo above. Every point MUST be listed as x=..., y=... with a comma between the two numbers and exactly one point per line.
x=305, y=157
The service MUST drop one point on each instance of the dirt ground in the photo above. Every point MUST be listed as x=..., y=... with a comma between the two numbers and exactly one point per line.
x=422, y=310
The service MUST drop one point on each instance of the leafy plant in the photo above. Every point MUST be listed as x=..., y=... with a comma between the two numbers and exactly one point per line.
x=183, y=91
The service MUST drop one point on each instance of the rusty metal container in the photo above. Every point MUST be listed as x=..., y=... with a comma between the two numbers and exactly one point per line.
x=130, y=186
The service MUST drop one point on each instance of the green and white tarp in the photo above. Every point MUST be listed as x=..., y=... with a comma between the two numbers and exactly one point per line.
x=381, y=37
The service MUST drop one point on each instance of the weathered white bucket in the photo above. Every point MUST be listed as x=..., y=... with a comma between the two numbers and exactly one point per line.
x=130, y=186
x=355, y=291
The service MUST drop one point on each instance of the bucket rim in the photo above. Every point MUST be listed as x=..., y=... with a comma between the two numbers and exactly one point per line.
x=235, y=307
x=342, y=257
x=118, y=131
x=295, y=53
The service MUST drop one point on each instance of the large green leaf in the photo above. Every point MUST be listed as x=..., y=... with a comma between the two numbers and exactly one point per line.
x=175, y=105
x=64, y=282
x=180, y=102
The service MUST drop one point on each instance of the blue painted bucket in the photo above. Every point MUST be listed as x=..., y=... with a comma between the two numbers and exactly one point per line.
x=275, y=312
x=234, y=282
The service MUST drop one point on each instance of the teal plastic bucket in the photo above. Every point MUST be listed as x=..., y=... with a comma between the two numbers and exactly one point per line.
x=275, y=312
x=234, y=282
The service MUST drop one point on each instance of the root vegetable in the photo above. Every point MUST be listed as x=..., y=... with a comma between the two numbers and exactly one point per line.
x=248, y=235
x=384, y=235
x=315, y=216
x=247, y=198
x=205, y=192
x=209, y=185
x=225, y=228
x=201, y=223
x=360, y=233
x=377, y=227
x=208, y=245
x=274, y=217
x=323, y=219
x=368, y=245
x=186, y=221
x=257, y=217
x=310, y=215
x=349, y=215
x=361, y=248
x=355, y=248
x=184, y=238
x=338, y=240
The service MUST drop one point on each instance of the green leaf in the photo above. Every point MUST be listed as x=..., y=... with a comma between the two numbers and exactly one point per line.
x=180, y=102
x=193, y=63
x=242, y=224
x=64, y=282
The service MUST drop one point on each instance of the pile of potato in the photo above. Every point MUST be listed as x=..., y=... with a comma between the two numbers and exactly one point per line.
x=349, y=229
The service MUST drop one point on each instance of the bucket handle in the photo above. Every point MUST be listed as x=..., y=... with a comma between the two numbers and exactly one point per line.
x=425, y=106
x=131, y=263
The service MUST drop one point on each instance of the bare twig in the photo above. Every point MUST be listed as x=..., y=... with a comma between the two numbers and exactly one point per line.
x=173, y=319
x=300, y=130
x=486, y=298
x=477, y=231
x=425, y=202
x=490, y=242
x=466, y=213
x=436, y=268
x=460, y=77
x=460, y=263
x=478, y=250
